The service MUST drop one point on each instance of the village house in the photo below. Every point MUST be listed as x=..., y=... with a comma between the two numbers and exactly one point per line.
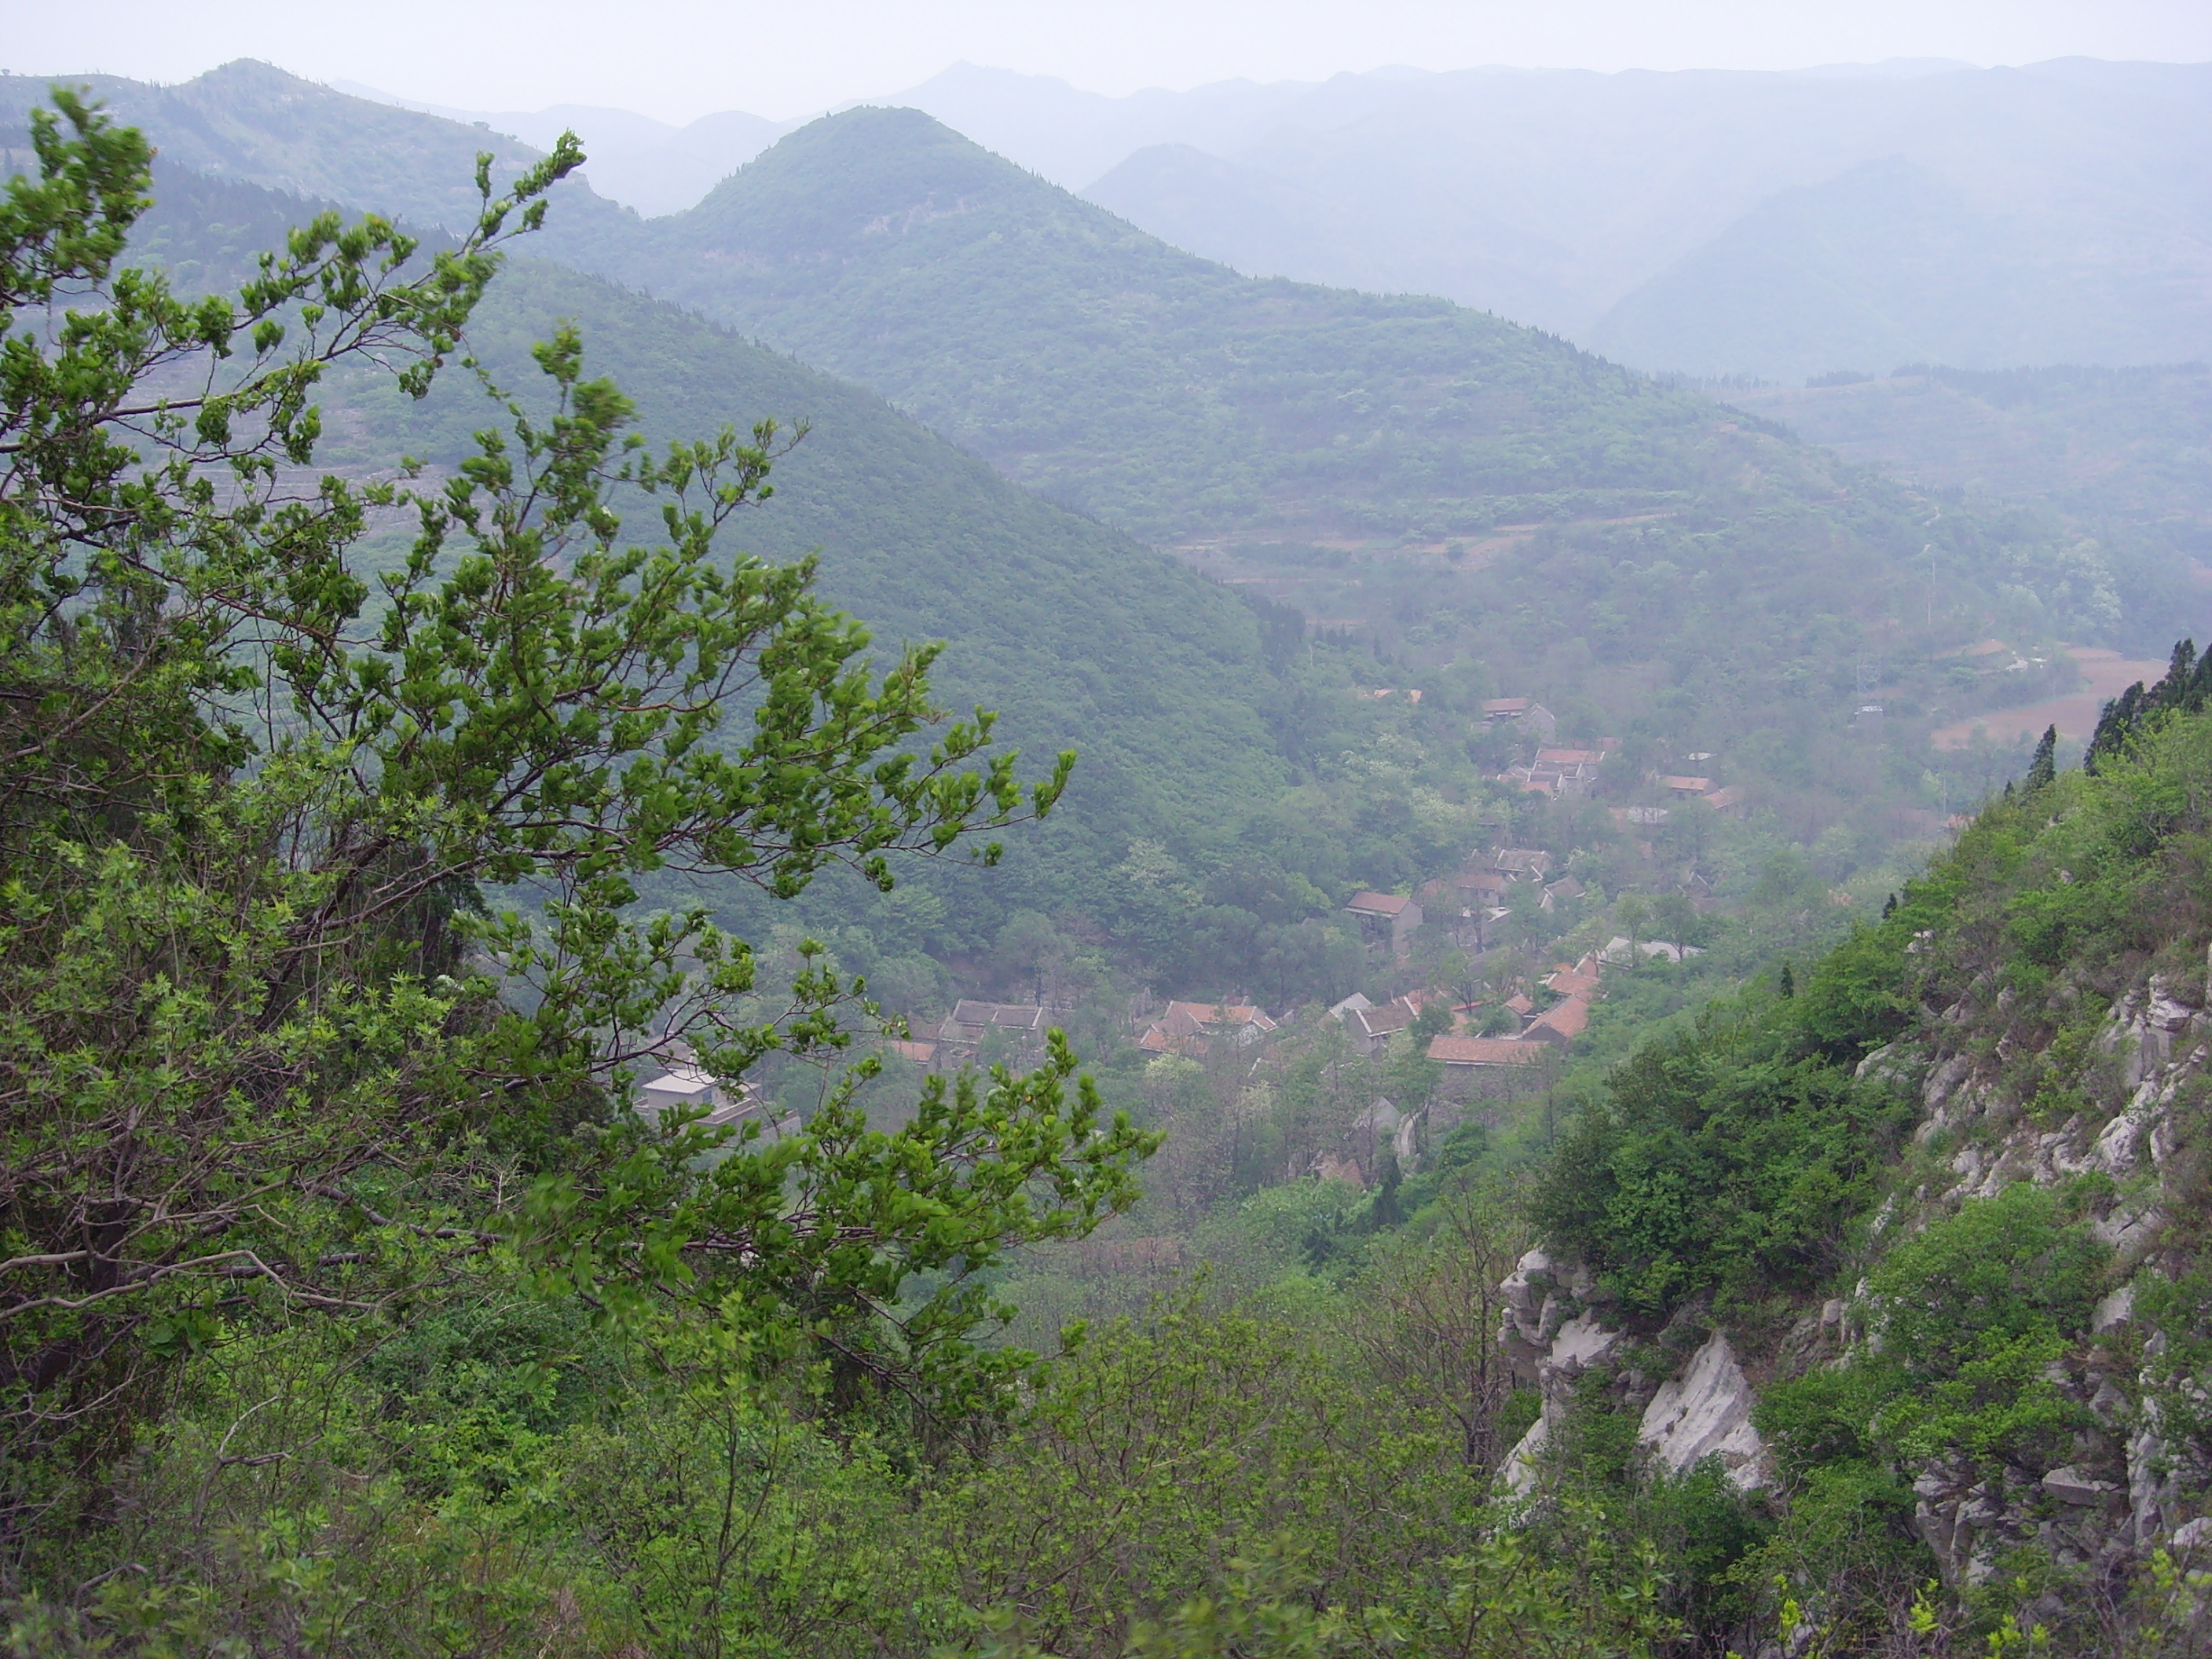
x=1469, y=1061
x=1022, y=1024
x=1523, y=713
x=1616, y=950
x=1560, y=1023
x=1580, y=980
x=1385, y=918
x=1687, y=788
x=1562, y=774
x=1372, y=1027
x=1190, y=1028
x=923, y=1054
x=1730, y=803
x=685, y=1087
x=1481, y=886
x=1472, y=899
x=1520, y=863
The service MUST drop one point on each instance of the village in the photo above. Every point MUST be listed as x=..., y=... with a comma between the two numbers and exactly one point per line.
x=1464, y=968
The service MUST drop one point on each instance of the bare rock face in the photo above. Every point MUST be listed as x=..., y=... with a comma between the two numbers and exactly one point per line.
x=1553, y=1339
x=1706, y=1413
x=2118, y=1495
x=2122, y=1490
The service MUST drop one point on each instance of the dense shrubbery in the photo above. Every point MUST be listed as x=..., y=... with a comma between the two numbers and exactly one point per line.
x=1724, y=1162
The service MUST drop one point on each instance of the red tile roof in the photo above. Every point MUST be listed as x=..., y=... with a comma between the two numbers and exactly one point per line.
x=1384, y=904
x=1562, y=1023
x=1484, y=1051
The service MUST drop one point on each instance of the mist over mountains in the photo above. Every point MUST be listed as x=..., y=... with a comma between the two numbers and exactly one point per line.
x=643, y=163
x=1715, y=223
x=1558, y=875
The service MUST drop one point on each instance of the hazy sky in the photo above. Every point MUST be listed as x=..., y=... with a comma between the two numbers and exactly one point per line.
x=681, y=58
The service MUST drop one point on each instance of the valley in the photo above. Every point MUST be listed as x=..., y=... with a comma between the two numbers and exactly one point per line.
x=912, y=924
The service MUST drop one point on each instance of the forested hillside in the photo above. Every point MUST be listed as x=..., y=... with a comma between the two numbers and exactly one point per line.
x=457, y=1201
x=1427, y=497
x=1927, y=1228
x=1145, y=385
x=2118, y=448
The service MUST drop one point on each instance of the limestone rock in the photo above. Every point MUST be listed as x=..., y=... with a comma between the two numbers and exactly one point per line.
x=1706, y=1413
x=2069, y=1485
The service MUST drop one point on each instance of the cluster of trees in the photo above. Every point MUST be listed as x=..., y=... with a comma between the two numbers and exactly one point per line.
x=345, y=1306
x=323, y=979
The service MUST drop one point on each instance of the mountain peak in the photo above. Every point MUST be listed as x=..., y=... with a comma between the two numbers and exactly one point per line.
x=863, y=172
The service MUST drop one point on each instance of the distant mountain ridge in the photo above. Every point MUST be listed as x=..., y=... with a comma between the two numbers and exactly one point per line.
x=1771, y=225
x=1186, y=405
x=645, y=164
x=1632, y=211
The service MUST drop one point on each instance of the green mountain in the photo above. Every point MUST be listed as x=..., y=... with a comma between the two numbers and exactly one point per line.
x=1463, y=506
x=1280, y=432
x=1083, y=638
x=1446, y=485
x=254, y=124
x=1139, y=382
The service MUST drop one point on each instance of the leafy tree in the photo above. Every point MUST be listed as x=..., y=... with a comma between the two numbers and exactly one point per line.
x=1408, y=1072
x=1719, y=1162
x=1435, y=1018
x=1634, y=914
x=321, y=982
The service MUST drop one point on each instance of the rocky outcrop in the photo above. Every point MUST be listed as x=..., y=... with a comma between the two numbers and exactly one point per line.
x=1706, y=1413
x=2121, y=1491
x=1554, y=1332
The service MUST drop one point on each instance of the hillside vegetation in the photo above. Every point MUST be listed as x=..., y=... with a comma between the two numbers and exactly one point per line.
x=454, y=1206
x=1127, y=377
x=2113, y=450
x=1978, y=1126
